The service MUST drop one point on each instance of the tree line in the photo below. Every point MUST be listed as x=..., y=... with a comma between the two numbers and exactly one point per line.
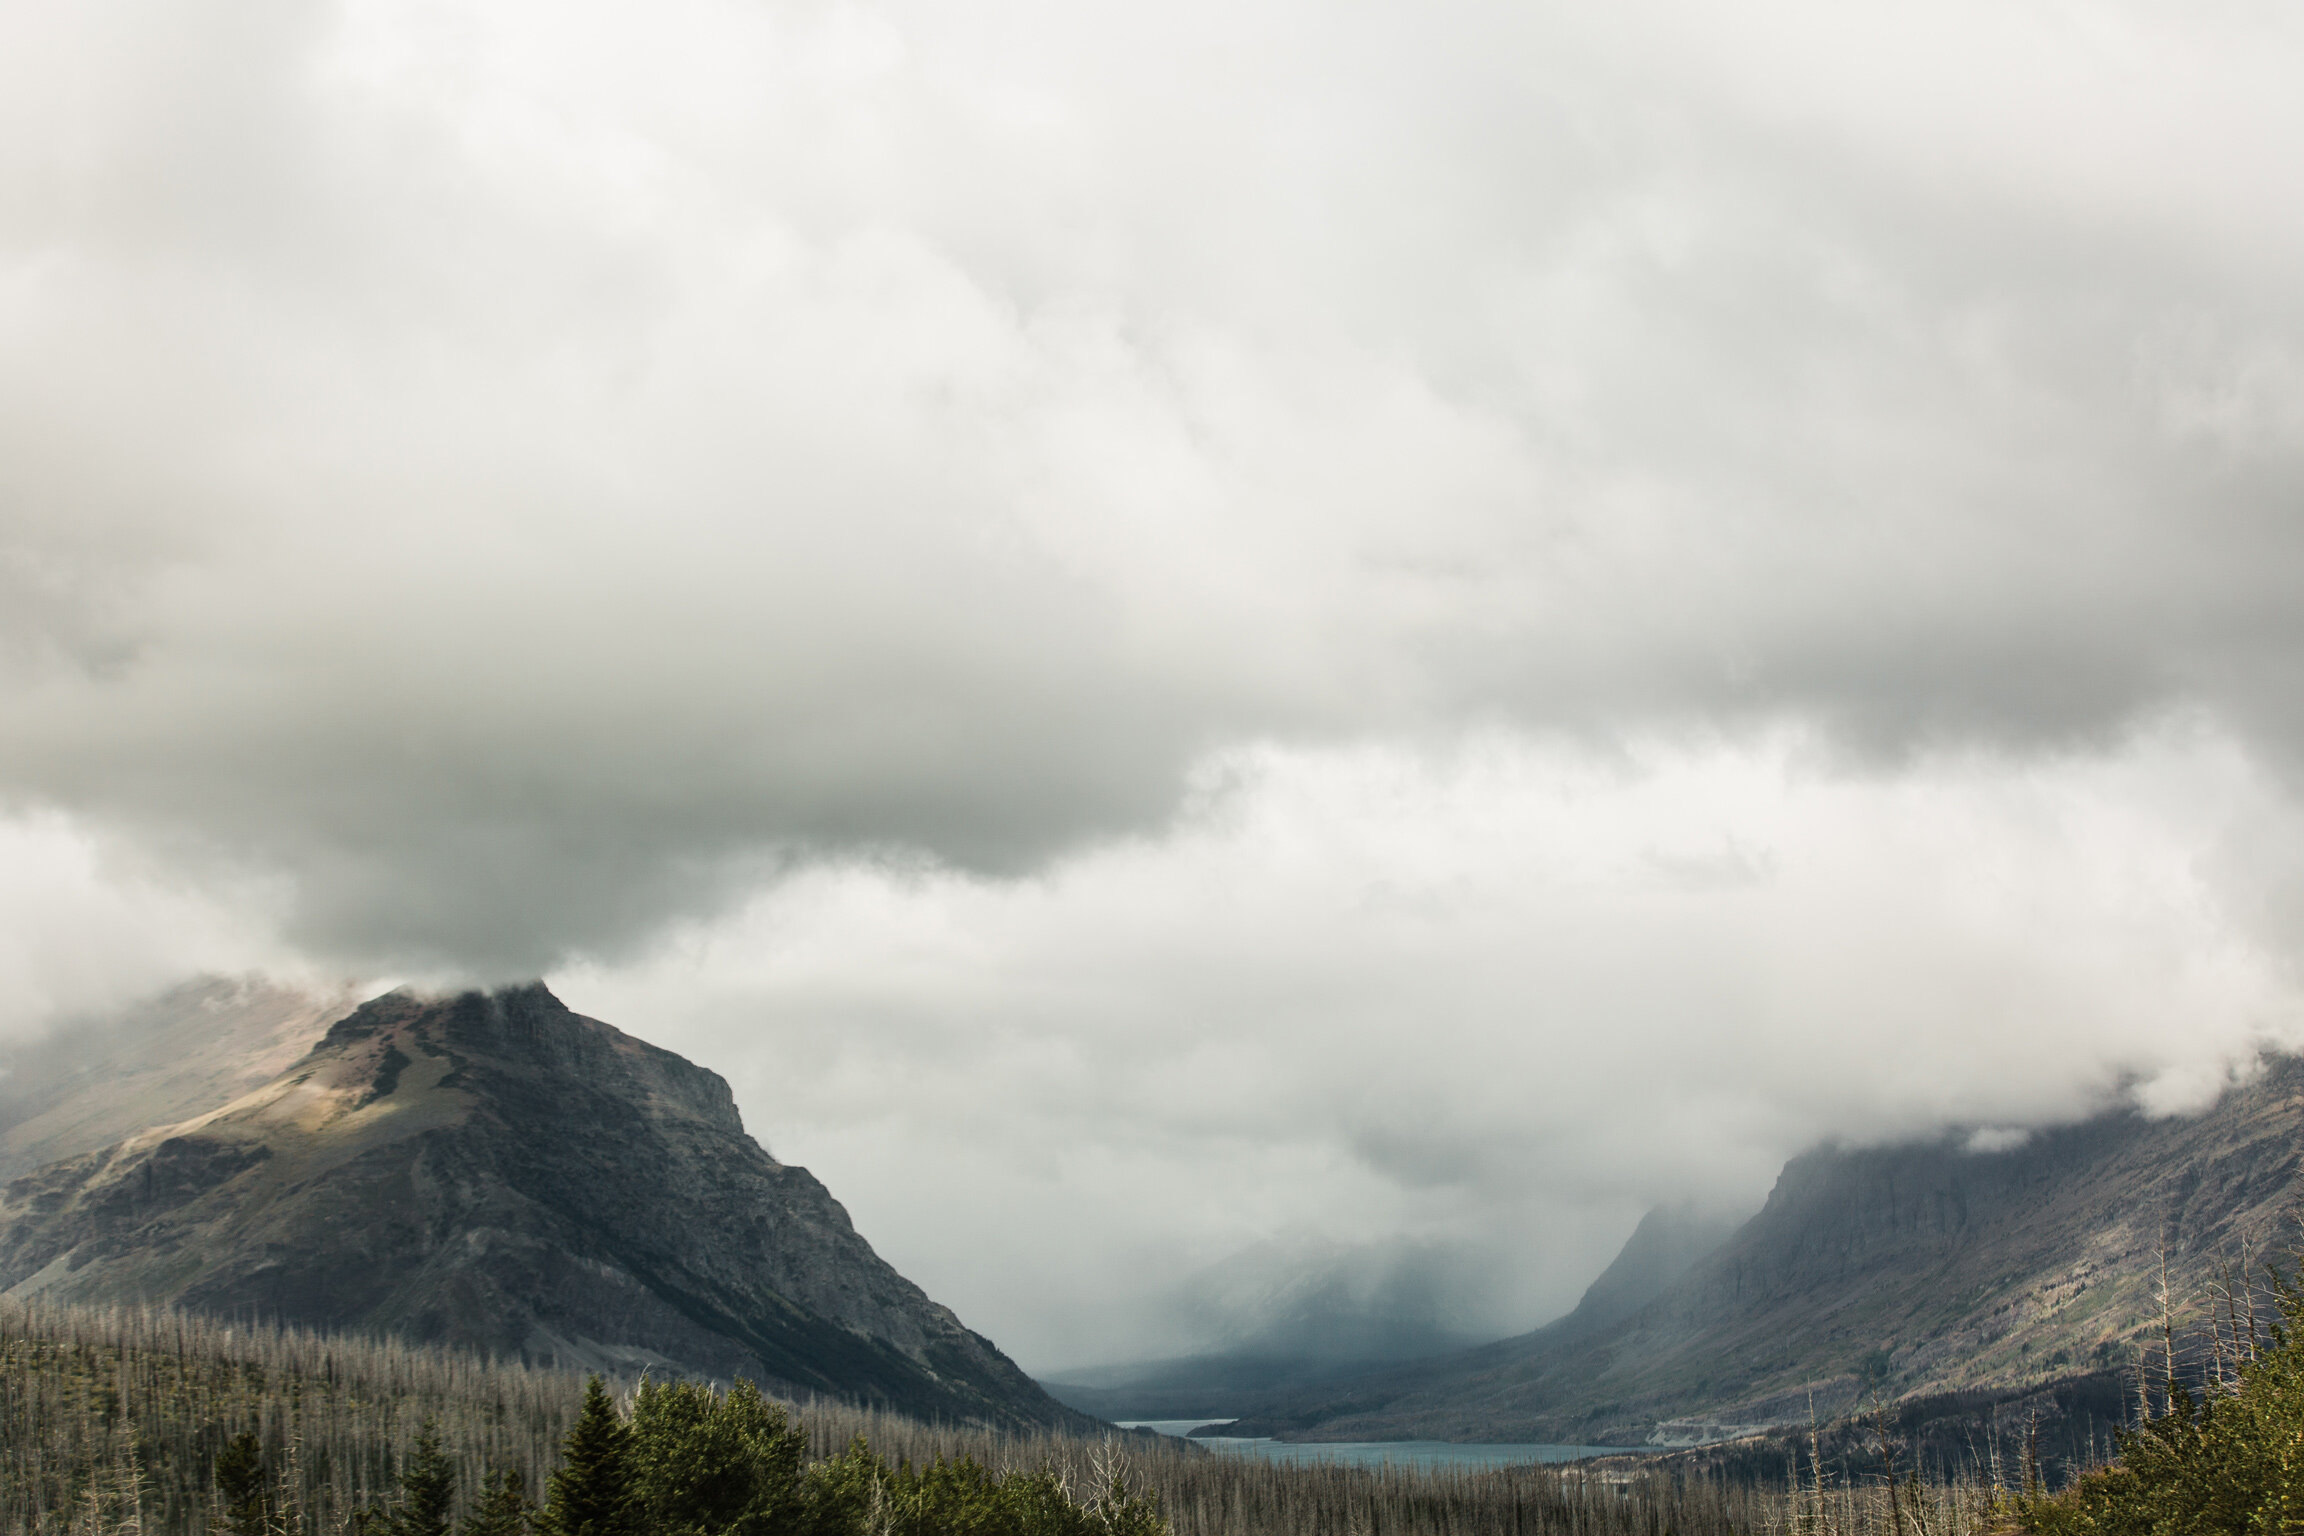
x=690, y=1460
x=142, y=1422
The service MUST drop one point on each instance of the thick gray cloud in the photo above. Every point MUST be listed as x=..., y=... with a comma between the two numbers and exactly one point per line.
x=1166, y=625
x=520, y=475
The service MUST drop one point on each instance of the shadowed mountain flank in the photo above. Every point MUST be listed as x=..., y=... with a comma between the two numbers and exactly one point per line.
x=497, y=1172
x=1897, y=1273
x=1669, y=1242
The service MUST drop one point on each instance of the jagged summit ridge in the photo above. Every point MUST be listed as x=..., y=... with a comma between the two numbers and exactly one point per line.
x=526, y=1027
x=494, y=1170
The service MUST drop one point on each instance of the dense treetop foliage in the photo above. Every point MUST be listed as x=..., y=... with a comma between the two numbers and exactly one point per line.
x=691, y=1461
x=2229, y=1458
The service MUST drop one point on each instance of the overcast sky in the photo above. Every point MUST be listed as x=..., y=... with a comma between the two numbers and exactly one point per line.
x=1163, y=625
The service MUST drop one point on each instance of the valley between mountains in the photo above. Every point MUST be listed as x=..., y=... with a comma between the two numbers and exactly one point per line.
x=494, y=1171
x=1883, y=1274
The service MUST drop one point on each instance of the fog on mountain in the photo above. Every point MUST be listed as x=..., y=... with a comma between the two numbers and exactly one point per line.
x=1462, y=721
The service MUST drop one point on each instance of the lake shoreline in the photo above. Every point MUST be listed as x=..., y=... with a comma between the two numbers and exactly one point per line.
x=1425, y=1454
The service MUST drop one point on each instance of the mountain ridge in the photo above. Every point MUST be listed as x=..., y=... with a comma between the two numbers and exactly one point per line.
x=174, y=1056
x=1928, y=1270
x=494, y=1171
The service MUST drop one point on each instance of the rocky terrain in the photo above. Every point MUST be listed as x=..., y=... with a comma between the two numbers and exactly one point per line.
x=1896, y=1274
x=495, y=1171
x=189, y=1050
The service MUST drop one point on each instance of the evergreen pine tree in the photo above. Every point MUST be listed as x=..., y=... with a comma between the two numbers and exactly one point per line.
x=591, y=1493
x=844, y=1493
x=728, y=1464
x=502, y=1508
x=427, y=1487
x=241, y=1484
x=2228, y=1461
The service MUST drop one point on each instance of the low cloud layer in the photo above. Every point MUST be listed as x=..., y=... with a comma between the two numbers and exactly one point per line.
x=1503, y=1000
x=1302, y=606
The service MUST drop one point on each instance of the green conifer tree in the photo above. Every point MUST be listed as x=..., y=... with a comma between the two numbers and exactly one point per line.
x=427, y=1487
x=241, y=1484
x=715, y=1464
x=502, y=1508
x=592, y=1492
x=2229, y=1461
x=846, y=1494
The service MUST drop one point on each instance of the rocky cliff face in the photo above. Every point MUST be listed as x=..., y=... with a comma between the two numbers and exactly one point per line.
x=497, y=1172
x=1898, y=1272
x=1669, y=1242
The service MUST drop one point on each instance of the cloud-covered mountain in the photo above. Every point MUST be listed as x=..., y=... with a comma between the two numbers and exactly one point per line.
x=1288, y=1312
x=1311, y=1298
x=1428, y=620
x=1291, y=1315
x=173, y=1056
x=1955, y=1272
x=493, y=1171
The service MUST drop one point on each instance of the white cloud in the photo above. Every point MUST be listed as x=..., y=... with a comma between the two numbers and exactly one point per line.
x=1215, y=616
x=1468, y=995
x=87, y=926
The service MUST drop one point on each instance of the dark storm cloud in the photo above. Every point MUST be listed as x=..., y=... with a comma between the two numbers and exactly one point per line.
x=523, y=476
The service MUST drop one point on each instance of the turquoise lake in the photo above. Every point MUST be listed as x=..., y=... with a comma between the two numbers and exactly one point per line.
x=1374, y=1453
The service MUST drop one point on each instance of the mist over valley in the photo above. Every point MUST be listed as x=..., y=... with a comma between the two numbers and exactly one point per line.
x=1447, y=724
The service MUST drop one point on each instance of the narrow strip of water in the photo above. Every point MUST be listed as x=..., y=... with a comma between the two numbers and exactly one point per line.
x=1374, y=1453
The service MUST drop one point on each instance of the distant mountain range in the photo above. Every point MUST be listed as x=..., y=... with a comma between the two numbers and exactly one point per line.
x=1935, y=1273
x=1302, y=1319
x=1301, y=1296
x=488, y=1170
x=494, y=1170
x=1295, y=1312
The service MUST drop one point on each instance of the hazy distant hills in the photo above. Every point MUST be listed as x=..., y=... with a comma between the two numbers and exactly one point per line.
x=1669, y=1242
x=1906, y=1272
x=495, y=1171
x=1293, y=1314
x=1305, y=1297
x=192, y=1049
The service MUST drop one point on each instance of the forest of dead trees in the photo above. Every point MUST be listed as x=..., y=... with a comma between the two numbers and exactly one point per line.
x=156, y=1423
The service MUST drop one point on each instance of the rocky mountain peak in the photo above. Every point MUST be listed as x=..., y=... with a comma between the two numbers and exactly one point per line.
x=503, y=1036
x=492, y=1169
